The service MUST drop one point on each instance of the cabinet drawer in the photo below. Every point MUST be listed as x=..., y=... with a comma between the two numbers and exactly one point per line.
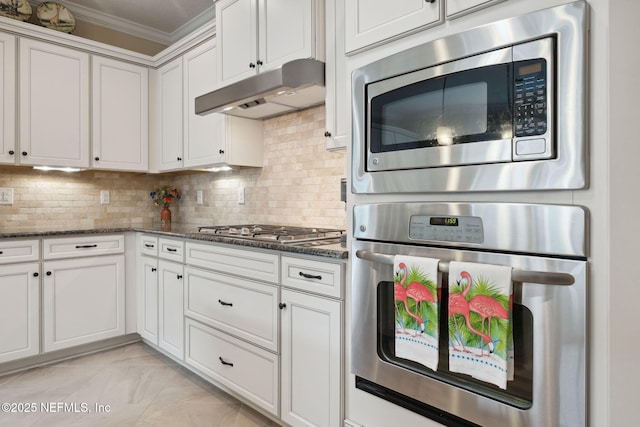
x=148, y=245
x=243, y=308
x=248, y=370
x=171, y=249
x=251, y=264
x=74, y=247
x=19, y=250
x=312, y=276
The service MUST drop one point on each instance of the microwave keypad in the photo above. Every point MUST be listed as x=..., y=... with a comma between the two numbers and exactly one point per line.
x=530, y=98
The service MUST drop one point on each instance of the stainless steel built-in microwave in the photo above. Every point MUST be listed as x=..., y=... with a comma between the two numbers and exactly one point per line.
x=498, y=107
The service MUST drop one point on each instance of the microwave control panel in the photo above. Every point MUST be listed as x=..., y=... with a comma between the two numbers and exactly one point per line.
x=530, y=93
x=467, y=229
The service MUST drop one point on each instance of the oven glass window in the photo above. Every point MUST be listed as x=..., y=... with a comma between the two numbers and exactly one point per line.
x=519, y=392
x=470, y=106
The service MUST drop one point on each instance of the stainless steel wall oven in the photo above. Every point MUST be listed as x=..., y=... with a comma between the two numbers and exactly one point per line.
x=497, y=107
x=546, y=247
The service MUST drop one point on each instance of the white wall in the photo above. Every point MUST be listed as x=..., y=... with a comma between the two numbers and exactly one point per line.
x=624, y=205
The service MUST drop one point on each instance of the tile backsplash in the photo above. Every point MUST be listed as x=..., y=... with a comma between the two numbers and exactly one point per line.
x=299, y=184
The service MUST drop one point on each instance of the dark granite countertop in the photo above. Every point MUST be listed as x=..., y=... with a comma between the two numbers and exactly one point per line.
x=186, y=231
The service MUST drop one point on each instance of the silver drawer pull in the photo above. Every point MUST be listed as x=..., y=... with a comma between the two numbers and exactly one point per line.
x=86, y=246
x=310, y=276
x=540, y=277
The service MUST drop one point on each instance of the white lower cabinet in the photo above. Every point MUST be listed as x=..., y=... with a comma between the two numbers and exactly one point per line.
x=83, y=300
x=265, y=325
x=19, y=311
x=171, y=308
x=148, y=298
x=311, y=341
x=249, y=371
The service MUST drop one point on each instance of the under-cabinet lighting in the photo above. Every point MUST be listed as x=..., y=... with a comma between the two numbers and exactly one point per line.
x=220, y=169
x=228, y=108
x=53, y=168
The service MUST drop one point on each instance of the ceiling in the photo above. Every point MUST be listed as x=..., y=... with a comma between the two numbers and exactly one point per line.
x=163, y=21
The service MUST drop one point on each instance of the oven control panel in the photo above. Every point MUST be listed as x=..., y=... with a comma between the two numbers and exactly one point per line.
x=466, y=229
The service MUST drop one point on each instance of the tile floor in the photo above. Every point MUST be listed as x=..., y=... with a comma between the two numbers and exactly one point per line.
x=140, y=386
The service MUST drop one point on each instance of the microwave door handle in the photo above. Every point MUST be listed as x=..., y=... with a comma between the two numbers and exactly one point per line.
x=517, y=275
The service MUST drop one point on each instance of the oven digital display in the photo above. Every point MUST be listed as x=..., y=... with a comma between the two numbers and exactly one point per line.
x=439, y=220
x=463, y=229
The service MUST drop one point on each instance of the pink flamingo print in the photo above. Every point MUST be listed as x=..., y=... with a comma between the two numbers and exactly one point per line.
x=458, y=305
x=419, y=293
x=415, y=290
x=487, y=308
x=400, y=294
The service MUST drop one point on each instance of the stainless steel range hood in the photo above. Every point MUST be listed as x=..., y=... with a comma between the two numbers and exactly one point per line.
x=293, y=86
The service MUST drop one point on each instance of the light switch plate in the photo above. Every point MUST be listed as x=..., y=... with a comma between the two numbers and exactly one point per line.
x=241, y=196
x=199, y=197
x=6, y=196
x=105, y=197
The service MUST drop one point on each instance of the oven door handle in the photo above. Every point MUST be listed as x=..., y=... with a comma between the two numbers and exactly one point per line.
x=540, y=277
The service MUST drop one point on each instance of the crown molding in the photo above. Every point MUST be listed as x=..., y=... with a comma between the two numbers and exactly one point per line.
x=132, y=28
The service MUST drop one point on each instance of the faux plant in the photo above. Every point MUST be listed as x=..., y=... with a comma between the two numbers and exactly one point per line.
x=164, y=196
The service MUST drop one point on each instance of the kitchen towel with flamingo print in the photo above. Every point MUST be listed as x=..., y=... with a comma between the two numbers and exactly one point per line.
x=416, y=299
x=480, y=321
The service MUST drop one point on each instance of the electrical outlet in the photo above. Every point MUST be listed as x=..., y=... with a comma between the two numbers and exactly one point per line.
x=6, y=196
x=199, y=197
x=105, y=197
x=241, y=196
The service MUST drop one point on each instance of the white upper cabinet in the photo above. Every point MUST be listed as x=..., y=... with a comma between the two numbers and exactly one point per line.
x=189, y=141
x=7, y=98
x=120, y=101
x=373, y=21
x=337, y=105
x=202, y=146
x=237, y=28
x=170, y=114
x=54, y=105
x=257, y=35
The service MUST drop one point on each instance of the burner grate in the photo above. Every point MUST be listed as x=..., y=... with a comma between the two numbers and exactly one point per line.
x=284, y=234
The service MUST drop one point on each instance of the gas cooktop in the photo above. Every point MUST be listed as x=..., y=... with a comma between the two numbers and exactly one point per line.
x=279, y=233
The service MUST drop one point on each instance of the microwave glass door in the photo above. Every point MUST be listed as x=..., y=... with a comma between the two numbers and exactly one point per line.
x=464, y=107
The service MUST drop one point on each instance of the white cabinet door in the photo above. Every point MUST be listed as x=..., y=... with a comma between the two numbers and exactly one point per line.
x=373, y=21
x=83, y=300
x=19, y=311
x=171, y=309
x=285, y=31
x=7, y=98
x=237, y=34
x=203, y=135
x=311, y=358
x=457, y=8
x=337, y=105
x=120, y=102
x=170, y=114
x=148, y=298
x=54, y=105
x=258, y=35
